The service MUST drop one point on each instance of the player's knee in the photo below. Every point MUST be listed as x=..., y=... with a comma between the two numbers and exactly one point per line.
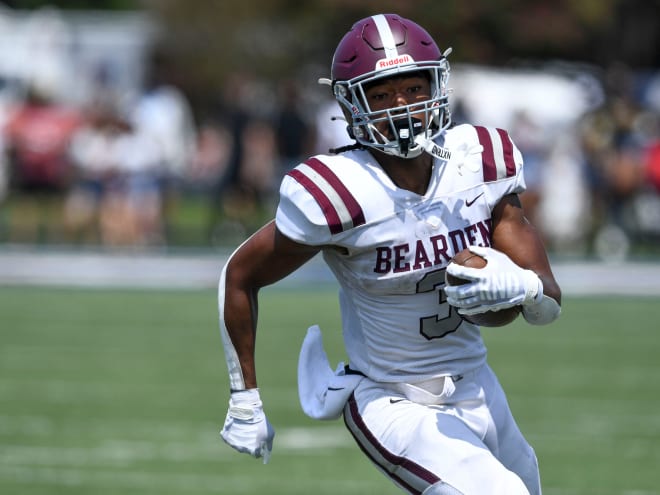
x=441, y=488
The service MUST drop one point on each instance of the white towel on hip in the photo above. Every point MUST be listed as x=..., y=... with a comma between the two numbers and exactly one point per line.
x=322, y=391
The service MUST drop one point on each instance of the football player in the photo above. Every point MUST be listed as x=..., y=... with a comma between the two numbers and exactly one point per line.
x=387, y=214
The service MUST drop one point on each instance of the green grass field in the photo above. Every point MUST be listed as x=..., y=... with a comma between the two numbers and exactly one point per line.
x=124, y=392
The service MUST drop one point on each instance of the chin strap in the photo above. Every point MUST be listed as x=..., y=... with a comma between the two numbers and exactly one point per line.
x=432, y=148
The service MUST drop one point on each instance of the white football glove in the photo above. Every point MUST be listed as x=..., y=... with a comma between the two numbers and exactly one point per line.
x=499, y=285
x=246, y=428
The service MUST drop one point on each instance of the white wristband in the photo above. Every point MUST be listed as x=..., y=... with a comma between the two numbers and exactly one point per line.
x=248, y=396
x=533, y=288
x=243, y=403
x=545, y=311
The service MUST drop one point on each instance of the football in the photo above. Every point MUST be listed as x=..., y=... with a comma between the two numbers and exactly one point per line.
x=489, y=318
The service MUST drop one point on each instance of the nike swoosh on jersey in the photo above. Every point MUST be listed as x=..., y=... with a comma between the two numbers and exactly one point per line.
x=395, y=401
x=470, y=203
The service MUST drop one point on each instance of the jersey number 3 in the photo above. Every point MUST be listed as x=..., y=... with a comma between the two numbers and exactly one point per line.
x=447, y=320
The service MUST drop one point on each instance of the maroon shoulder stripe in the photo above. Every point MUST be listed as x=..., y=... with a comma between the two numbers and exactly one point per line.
x=354, y=209
x=488, y=156
x=507, y=147
x=341, y=209
x=331, y=216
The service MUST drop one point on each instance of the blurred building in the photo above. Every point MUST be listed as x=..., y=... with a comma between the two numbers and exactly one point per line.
x=69, y=54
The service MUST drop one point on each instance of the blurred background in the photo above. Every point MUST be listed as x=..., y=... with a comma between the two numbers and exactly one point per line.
x=167, y=125
x=142, y=140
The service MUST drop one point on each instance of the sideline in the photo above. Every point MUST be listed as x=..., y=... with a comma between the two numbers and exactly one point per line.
x=28, y=266
x=24, y=266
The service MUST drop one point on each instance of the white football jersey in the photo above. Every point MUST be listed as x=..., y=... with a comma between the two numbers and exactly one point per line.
x=389, y=247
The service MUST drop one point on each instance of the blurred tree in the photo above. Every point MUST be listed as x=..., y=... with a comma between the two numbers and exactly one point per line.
x=74, y=4
x=634, y=33
x=272, y=39
x=278, y=38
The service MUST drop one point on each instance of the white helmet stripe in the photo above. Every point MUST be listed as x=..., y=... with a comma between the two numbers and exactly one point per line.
x=386, y=35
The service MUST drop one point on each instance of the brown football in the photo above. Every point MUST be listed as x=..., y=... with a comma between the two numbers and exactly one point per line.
x=489, y=318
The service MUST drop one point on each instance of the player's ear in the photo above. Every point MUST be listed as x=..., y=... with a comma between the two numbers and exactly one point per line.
x=347, y=115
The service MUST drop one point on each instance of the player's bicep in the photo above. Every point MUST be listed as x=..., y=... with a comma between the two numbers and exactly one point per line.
x=267, y=257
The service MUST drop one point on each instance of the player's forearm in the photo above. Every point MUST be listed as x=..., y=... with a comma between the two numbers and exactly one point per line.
x=238, y=317
x=240, y=322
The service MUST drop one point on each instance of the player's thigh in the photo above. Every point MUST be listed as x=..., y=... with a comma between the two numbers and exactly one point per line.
x=419, y=446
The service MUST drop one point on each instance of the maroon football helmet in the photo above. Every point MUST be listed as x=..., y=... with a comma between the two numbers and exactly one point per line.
x=381, y=46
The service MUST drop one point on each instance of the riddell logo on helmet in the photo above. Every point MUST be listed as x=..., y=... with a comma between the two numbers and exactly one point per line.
x=384, y=63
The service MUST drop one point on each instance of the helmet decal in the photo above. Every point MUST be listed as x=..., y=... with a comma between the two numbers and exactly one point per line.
x=386, y=63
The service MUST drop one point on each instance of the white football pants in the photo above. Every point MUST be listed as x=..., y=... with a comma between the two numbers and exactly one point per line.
x=467, y=444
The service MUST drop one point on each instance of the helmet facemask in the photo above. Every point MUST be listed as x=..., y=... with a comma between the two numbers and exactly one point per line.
x=410, y=126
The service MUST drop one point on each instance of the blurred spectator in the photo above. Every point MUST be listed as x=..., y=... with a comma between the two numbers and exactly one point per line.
x=652, y=163
x=94, y=163
x=258, y=175
x=8, y=98
x=210, y=160
x=4, y=162
x=4, y=169
x=133, y=207
x=37, y=138
x=647, y=203
x=243, y=203
x=233, y=113
x=209, y=166
x=614, y=146
x=163, y=117
x=116, y=195
x=531, y=139
x=563, y=211
x=295, y=135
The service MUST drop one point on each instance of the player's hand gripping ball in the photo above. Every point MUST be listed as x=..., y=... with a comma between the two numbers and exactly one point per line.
x=489, y=318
